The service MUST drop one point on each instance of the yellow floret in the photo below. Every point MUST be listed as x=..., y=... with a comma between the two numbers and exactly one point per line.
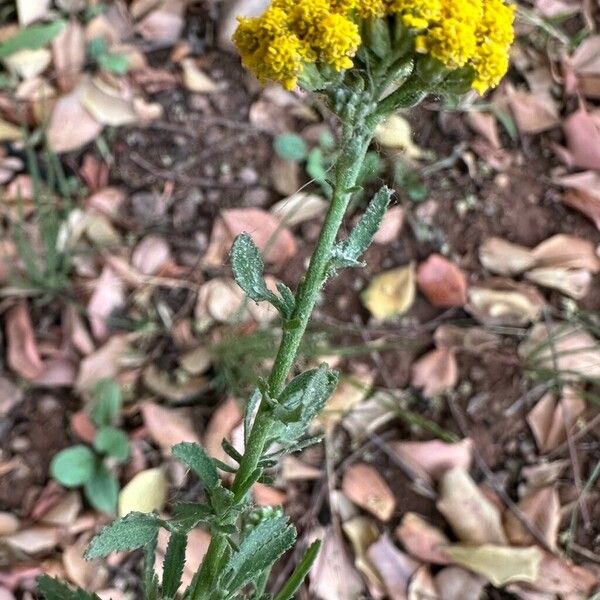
x=336, y=40
x=496, y=23
x=490, y=64
x=452, y=42
x=370, y=9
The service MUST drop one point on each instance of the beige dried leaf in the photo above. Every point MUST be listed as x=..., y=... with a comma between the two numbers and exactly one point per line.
x=505, y=302
x=146, y=492
x=395, y=132
x=505, y=258
x=151, y=254
x=455, y=583
x=498, y=564
x=391, y=293
x=367, y=488
x=568, y=252
x=195, y=79
x=575, y=283
x=299, y=207
x=473, y=518
x=167, y=426
x=422, y=586
x=107, y=104
x=363, y=532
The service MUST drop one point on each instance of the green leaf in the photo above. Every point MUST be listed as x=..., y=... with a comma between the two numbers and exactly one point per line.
x=301, y=401
x=53, y=589
x=173, y=565
x=292, y=585
x=31, y=38
x=107, y=403
x=258, y=551
x=248, y=267
x=188, y=515
x=129, y=533
x=378, y=37
x=102, y=490
x=290, y=146
x=73, y=466
x=115, y=63
x=198, y=461
x=251, y=407
x=112, y=441
x=347, y=253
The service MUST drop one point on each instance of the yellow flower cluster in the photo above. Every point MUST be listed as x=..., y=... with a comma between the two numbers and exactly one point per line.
x=458, y=33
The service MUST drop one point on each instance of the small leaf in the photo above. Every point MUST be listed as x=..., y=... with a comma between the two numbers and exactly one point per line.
x=73, y=466
x=188, y=515
x=248, y=266
x=290, y=146
x=350, y=250
x=53, y=589
x=300, y=572
x=145, y=493
x=31, y=38
x=258, y=551
x=198, y=461
x=173, y=565
x=108, y=402
x=129, y=533
x=366, y=487
x=102, y=490
x=112, y=441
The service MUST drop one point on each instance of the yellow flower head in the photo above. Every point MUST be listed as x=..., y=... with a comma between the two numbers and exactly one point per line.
x=458, y=33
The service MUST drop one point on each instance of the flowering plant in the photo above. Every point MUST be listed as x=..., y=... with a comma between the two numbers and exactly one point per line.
x=366, y=59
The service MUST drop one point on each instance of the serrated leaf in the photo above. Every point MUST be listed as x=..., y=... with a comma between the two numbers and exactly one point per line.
x=348, y=252
x=253, y=403
x=248, y=266
x=198, y=461
x=129, y=533
x=258, y=551
x=112, y=441
x=73, y=466
x=173, y=565
x=102, y=490
x=301, y=401
x=296, y=579
x=53, y=589
x=31, y=38
x=188, y=515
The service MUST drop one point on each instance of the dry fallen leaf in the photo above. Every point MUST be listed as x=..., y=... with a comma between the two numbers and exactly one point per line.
x=533, y=113
x=35, y=540
x=455, y=583
x=28, y=63
x=71, y=126
x=582, y=133
x=165, y=386
x=442, y=282
x=473, y=518
x=22, y=354
x=150, y=255
x=299, y=207
x=550, y=420
x=108, y=296
x=221, y=299
x=505, y=302
x=68, y=52
x=146, y=492
x=563, y=347
x=542, y=510
x=391, y=226
x=499, y=564
x=9, y=523
x=575, y=283
x=559, y=576
x=366, y=488
x=391, y=293
x=422, y=586
x=196, y=80
x=362, y=533
x=421, y=539
x=167, y=426
x=430, y=460
x=30, y=12
x=505, y=258
x=586, y=66
x=224, y=420
x=394, y=567
x=486, y=125
x=107, y=104
x=567, y=252
x=103, y=363
x=395, y=132
x=333, y=574
x=435, y=372
x=293, y=469
x=162, y=26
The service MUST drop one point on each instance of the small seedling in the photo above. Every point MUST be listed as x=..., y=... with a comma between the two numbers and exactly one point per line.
x=92, y=467
x=99, y=52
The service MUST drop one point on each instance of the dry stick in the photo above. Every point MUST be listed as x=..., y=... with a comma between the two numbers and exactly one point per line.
x=567, y=425
x=517, y=512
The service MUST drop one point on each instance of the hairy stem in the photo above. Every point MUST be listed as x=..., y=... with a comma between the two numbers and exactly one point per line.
x=357, y=135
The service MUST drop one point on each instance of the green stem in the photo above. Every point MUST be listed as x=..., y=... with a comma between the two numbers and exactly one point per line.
x=357, y=135
x=356, y=141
